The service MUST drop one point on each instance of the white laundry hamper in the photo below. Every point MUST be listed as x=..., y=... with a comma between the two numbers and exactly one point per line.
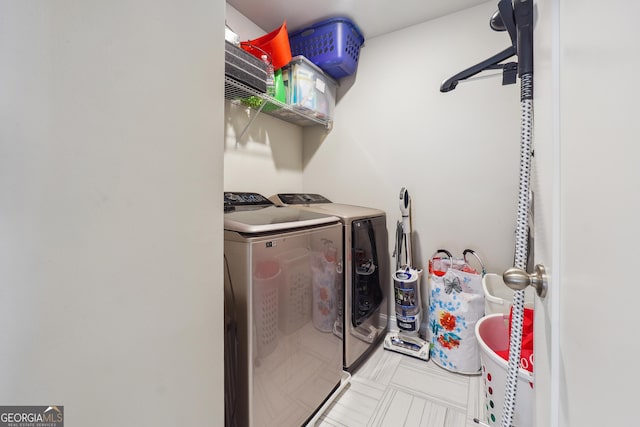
x=498, y=296
x=266, y=280
x=294, y=292
x=492, y=333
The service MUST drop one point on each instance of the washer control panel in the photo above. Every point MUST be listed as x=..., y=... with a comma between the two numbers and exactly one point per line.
x=302, y=198
x=233, y=200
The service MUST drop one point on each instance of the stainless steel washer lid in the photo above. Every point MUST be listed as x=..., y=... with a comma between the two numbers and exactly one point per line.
x=346, y=212
x=273, y=218
x=320, y=204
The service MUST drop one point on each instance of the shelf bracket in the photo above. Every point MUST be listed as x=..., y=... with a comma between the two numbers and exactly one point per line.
x=253, y=118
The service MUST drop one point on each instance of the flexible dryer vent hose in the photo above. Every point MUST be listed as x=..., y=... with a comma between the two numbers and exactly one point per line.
x=522, y=238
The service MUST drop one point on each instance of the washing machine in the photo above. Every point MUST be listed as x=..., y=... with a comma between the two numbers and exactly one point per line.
x=363, y=316
x=282, y=279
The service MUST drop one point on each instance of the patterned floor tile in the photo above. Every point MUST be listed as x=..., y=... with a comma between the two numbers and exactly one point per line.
x=394, y=390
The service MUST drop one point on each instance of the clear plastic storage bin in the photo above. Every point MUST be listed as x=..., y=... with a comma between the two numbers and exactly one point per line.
x=309, y=89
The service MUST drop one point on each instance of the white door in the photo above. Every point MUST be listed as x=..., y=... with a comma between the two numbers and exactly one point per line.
x=586, y=178
x=544, y=183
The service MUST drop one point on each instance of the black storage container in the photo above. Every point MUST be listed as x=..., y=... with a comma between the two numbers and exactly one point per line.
x=245, y=68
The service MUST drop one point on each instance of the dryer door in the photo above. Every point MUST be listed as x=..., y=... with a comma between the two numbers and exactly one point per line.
x=366, y=271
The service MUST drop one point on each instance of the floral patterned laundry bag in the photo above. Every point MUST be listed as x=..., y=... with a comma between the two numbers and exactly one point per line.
x=325, y=290
x=456, y=303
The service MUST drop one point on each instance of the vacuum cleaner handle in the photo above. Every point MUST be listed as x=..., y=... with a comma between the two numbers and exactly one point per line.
x=405, y=207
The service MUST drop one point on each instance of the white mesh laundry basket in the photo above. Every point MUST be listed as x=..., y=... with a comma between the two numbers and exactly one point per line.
x=493, y=335
x=266, y=279
x=498, y=296
x=295, y=294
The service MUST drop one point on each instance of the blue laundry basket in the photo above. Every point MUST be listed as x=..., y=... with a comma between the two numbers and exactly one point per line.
x=333, y=45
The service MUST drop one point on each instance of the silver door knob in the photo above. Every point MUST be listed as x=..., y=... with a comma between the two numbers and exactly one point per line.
x=518, y=279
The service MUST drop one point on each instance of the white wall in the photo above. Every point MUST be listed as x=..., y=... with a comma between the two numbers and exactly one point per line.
x=110, y=210
x=457, y=153
x=268, y=158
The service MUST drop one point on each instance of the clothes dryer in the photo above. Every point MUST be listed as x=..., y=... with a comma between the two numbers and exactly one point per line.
x=280, y=294
x=362, y=320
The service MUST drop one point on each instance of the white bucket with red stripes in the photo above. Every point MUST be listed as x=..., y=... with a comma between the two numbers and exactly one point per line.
x=492, y=333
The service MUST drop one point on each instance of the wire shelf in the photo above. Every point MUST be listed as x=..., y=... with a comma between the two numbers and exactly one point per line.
x=248, y=97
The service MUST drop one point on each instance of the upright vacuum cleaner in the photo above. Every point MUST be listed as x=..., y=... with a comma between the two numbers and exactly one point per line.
x=406, y=284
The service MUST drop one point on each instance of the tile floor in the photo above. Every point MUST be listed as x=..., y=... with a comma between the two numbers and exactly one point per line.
x=393, y=390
